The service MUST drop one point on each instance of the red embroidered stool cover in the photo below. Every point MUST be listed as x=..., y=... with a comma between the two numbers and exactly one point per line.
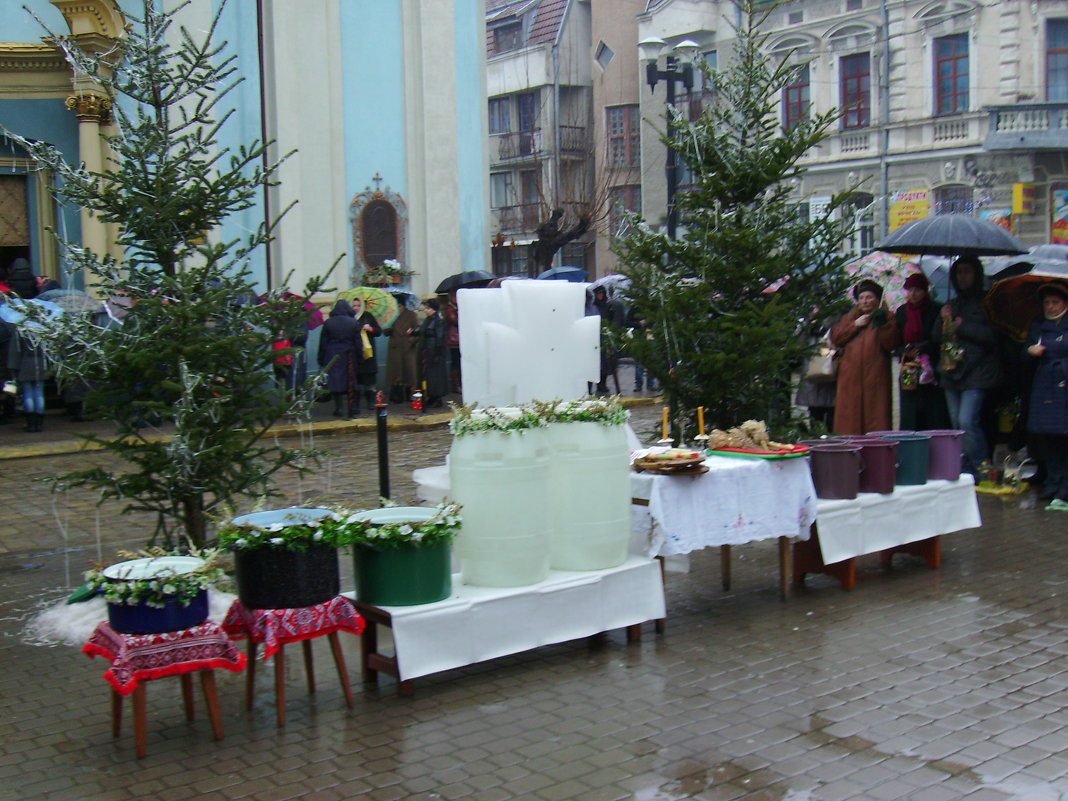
x=276, y=627
x=140, y=658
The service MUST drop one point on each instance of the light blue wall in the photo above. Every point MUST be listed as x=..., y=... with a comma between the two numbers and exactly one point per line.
x=470, y=43
x=373, y=85
x=239, y=29
x=46, y=121
x=19, y=26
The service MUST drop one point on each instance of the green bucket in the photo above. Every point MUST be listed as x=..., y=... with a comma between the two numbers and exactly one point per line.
x=912, y=456
x=403, y=576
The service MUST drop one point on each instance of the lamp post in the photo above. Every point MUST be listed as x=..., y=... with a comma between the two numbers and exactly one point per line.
x=678, y=67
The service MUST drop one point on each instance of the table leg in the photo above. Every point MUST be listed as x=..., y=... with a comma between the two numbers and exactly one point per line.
x=809, y=559
x=930, y=550
x=658, y=624
x=342, y=671
x=309, y=666
x=140, y=703
x=634, y=632
x=280, y=685
x=725, y=566
x=211, y=695
x=368, y=646
x=250, y=674
x=116, y=713
x=784, y=567
x=187, y=695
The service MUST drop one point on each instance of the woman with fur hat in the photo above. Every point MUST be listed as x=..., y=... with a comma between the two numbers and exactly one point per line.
x=1047, y=343
x=865, y=337
x=923, y=406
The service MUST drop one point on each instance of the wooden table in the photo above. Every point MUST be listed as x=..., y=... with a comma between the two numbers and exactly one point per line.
x=909, y=520
x=479, y=623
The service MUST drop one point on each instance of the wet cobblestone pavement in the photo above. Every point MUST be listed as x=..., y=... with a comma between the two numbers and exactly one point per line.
x=919, y=685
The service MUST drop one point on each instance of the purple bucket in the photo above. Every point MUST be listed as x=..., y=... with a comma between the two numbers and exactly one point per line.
x=944, y=459
x=809, y=443
x=889, y=433
x=880, y=464
x=835, y=470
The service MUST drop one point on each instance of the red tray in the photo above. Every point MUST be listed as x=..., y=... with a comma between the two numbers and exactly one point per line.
x=792, y=453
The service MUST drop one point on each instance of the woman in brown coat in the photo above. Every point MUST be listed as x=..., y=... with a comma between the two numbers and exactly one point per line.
x=864, y=337
x=402, y=358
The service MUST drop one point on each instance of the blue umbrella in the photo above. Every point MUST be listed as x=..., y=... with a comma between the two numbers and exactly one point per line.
x=11, y=312
x=575, y=275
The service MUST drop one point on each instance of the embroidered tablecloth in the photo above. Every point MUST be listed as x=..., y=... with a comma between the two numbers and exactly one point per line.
x=141, y=657
x=737, y=501
x=276, y=627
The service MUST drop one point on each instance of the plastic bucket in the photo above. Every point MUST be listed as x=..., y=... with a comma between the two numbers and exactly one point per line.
x=809, y=443
x=912, y=457
x=888, y=433
x=172, y=616
x=403, y=576
x=945, y=455
x=879, y=472
x=835, y=470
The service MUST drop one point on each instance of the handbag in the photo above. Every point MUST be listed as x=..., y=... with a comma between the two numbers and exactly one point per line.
x=822, y=366
x=952, y=353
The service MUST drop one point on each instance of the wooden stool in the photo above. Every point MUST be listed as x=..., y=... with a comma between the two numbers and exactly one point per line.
x=137, y=659
x=277, y=627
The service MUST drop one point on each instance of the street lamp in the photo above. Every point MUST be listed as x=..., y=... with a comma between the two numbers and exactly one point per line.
x=678, y=67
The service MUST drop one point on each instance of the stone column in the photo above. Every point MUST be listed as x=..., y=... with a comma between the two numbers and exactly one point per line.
x=93, y=111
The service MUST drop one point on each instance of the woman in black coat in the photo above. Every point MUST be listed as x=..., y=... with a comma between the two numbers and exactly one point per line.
x=432, y=335
x=1047, y=343
x=923, y=405
x=348, y=339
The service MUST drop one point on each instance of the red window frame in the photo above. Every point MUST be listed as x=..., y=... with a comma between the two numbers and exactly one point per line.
x=951, y=74
x=1057, y=60
x=796, y=99
x=856, y=90
x=623, y=128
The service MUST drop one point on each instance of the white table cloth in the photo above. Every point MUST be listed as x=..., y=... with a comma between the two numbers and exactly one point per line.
x=737, y=501
x=480, y=623
x=873, y=522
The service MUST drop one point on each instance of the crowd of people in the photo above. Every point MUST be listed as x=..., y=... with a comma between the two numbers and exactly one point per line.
x=953, y=366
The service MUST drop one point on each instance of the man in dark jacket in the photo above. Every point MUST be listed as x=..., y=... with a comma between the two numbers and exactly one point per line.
x=976, y=366
x=21, y=279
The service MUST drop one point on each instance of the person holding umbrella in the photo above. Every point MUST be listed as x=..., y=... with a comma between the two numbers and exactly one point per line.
x=970, y=364
x=1047, y=344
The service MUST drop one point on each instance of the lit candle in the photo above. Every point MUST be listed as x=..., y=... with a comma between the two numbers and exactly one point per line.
x=665, y=422
x=701, y=419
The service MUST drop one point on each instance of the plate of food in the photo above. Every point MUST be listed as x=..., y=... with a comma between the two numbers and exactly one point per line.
x=750, y=440
x=671, y=460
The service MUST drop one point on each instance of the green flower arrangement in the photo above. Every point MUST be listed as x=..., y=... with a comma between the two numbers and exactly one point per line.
x=169, y=584
x=298, y=535
x=443, y=526
x=606, y=411
x=495, y=419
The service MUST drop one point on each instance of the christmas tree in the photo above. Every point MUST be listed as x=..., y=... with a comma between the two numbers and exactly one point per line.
x=728, y=306
x=193, y=341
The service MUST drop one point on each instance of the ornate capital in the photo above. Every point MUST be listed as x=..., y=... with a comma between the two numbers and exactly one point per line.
x=90, y=108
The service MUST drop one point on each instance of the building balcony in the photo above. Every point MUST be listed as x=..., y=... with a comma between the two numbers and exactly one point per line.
x=516, y=145
x=911, y=136
x=575, y=141
x=1031, y=126
x=524, y=218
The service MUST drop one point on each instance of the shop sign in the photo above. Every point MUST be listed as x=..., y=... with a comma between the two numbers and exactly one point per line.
x=1023, y=198
x=912, y=204
x=1059, y=226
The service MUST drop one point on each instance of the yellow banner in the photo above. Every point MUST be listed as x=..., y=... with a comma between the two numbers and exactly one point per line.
x=912, y=204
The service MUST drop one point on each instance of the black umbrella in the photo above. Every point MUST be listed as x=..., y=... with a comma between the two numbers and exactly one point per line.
x=952, y=235
x=468, y=278
x=1038, y=258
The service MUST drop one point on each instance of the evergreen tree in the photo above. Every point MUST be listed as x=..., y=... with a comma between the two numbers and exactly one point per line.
x=729, y=304
x=196, y=346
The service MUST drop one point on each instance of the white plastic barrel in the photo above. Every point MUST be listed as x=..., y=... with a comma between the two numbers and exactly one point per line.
x=589, y=495
x=502, y=481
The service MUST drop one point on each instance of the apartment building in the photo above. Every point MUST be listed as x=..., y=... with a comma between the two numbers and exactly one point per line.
x=538, y=78
x=947, y=105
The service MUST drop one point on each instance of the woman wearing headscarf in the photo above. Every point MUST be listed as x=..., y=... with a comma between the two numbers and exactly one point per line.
x=865, y=337
x=402, y=358
x=1047, y=344
x=434, y=336
x=348, y=338
x=923, y=405
x=970, y=361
